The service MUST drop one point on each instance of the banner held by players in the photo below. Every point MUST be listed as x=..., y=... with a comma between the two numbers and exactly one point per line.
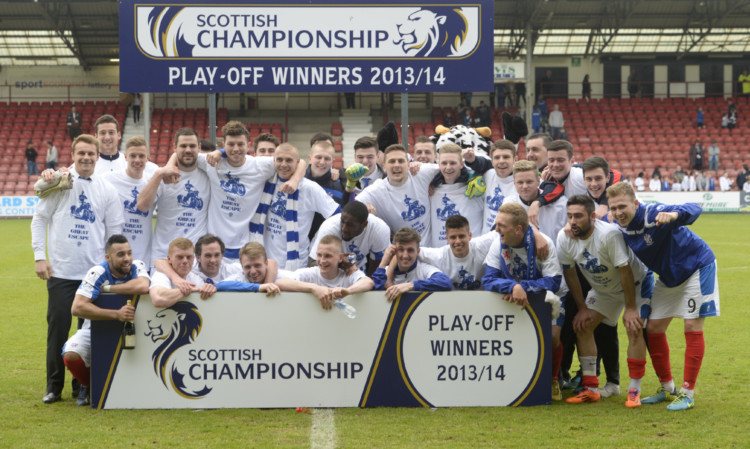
x=247, y=350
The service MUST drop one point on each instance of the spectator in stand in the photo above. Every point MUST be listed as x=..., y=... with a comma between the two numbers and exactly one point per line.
x=705, y=181
x=556, y=122
x=732, y=119
x=678, y=174
x=655, y=184
x=520, y=94
x=657, y=171
x=640, y=183
x=725, y=121
x=634, y=86
x=136, y=107
x=696, y=155
x=462, y=107
x=536, y=119
x=746, y=186
x=563, y=134
x=742, y=176
x=713, y=156
x=73, y=122
x=542, y=105
x=699, y=119
x=701, y=182
x=500, y=94
x=466, y=119
x=484, y=114
x=510, y=95
x=448, y=121
x=744, y=81
x=350, y=100
x=677, y=183
x=586, y=93
x=688, y=182
x=725, y=182
x=31, y=154
x=665, y=185
x=51, y=156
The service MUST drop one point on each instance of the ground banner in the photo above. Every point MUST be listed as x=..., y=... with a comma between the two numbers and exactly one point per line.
x=709, y=201
x=319, y=46
x=239, y=350
x=17, y=206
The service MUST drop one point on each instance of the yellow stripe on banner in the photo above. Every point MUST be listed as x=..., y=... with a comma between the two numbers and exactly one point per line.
x=374, y=370
x=399, y=356
x=113, y=366
x=539, y=332
x=155, y=30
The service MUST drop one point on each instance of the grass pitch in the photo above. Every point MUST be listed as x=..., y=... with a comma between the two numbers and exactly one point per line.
x=719, y=418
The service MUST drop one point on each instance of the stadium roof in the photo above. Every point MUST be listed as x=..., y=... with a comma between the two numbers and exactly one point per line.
x=85, y=32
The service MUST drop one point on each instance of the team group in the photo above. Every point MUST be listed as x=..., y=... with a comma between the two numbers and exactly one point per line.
x=258, y=219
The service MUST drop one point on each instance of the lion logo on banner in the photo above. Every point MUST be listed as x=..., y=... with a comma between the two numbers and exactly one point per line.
x=435, y=32
x=160, y=20
x=175, y=327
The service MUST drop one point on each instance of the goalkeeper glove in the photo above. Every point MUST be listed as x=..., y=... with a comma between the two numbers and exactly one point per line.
x=354, y=173
x=475, y=186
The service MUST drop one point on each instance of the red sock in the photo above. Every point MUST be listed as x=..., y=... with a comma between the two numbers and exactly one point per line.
x=659, y=350
x=636, y=368
x=556, y=361
x=590, y=381
x=695, y=347
x=79, y=370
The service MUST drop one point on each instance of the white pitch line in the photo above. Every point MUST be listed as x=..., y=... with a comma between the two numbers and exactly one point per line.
x=323, y=431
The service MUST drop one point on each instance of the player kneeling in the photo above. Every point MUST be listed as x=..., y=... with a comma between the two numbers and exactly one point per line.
x=119, y=274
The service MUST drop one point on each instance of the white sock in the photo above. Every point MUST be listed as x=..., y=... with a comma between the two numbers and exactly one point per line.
x=588, y=368
x=635, y=384
x=687, y=392
x=669, y=386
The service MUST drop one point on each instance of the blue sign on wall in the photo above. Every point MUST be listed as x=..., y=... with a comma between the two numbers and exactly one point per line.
x=318, y=47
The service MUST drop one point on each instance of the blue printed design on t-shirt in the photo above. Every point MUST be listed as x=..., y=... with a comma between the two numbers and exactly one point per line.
x=130, y=206
x=447, y=211
x=191, y=200
x=232, y=185
x=83, y=211
x=414, y=209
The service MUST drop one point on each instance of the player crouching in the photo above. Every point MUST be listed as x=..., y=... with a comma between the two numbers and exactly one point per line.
x=618, y=279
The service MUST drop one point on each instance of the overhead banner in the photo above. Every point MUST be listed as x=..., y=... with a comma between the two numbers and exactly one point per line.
x=246, y=350
x=286, y=46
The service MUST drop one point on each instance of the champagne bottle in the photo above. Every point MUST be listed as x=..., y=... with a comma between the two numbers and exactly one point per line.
x=128, y=333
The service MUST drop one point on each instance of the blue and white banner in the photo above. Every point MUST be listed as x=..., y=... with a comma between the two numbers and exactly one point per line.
x=246, y=350
x=18, y=206
x=709, y=201
x=330, y=46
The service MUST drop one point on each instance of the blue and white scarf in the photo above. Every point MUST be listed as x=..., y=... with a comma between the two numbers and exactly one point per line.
x=505, y=262
x=258, y=222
